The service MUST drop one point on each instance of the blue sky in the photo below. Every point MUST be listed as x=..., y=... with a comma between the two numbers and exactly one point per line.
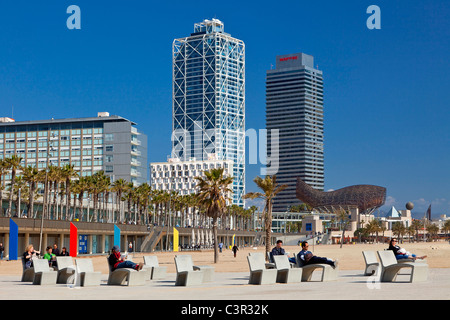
x=386, y=91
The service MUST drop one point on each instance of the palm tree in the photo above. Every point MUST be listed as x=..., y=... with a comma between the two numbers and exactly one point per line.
x=119, y=187
x=13, y=164
x=213, y=195
x=399, y=229
x=342, y=216
x=68, y=173
x=270, y=189
x=417, y=225
x=79, y=187
x=3, y=171
x=21, y=191
x=446, y=227
x=31, y=176
x=433, y=230
x=373, y=227
x=129, y=194
x=97, y=186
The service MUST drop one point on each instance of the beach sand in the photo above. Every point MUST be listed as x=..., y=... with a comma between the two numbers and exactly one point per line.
x=350, y=257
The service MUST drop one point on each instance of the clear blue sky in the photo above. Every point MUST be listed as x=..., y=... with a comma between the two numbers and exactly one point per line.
x=387, y=91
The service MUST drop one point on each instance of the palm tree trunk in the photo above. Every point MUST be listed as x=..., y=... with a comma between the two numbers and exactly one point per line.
x=30, y=213
x=216, y=247
x=268, y=224
x=13, y=178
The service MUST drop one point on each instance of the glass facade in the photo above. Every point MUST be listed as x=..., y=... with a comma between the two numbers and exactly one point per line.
x=87, y=144
x=209, y=99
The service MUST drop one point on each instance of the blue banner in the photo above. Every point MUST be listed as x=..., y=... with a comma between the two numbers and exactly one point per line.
x=13, y=239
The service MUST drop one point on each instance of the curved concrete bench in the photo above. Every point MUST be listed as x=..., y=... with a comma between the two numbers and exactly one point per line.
x=286, y=274
x=65, y=269
x=328, y=272
x=125, y=276
x=258, y=273
x=157, y=272
x=186, y=275
x=390, y=268
x=43, y=274
x=372, y=263
x=88, y=277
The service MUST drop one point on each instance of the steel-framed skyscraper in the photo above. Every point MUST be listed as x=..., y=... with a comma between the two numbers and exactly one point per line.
x=294, y=106
x=208, y=111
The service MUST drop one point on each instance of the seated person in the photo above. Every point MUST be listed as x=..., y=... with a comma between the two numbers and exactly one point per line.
x=28, y=256
x=64, y=252
x=50, y=256
x=306, y=257
x=279, y=251
x=116, y=261
x=401, y=253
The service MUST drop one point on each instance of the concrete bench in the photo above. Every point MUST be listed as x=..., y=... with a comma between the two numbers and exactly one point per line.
x=328, y=272
x=186, y=275
x=390, y=268
x=27, y=273
x=65, y=269
x=208, y=272
x=259, y=274
x=157, y=272
x=85, y=269
x=125, y=276
x=286, y=274
x=145, y=269
x=372, y=263
x=43, y=274
x=268, y=265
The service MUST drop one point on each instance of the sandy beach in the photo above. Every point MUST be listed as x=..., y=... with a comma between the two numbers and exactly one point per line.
x=350, y=257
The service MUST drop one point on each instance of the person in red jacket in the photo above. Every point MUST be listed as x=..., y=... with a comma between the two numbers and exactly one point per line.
x=116, y=261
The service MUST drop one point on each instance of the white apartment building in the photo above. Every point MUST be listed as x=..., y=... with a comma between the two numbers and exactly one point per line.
x=178, y=175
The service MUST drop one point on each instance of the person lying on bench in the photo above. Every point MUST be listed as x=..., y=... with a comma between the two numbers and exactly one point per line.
x=401, y=253
x=306, y=257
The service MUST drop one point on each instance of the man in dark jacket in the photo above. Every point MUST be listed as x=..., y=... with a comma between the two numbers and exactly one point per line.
x=279, y=251
x=306, y=257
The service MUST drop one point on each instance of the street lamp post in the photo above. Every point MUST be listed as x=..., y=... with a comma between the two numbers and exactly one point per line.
x=44, y=204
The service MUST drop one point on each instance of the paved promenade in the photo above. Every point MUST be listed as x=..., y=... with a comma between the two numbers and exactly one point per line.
x=351, y=285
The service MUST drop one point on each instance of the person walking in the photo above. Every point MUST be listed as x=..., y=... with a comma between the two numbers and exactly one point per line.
x=235, y=249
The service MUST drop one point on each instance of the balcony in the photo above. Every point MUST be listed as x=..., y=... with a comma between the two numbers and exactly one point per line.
x=135, y=163
x=135, y=142
x=135, y=173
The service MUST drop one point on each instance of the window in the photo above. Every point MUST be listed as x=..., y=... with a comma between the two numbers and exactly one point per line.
x=109, y=169
x=109, y=148
x=109, y=137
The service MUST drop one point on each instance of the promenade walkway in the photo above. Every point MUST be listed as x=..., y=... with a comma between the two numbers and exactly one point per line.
x=351, y=285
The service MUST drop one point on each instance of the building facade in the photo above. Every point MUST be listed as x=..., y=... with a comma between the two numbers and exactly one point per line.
x=108, y=143
x=209, y=99
x=294, y=107
x=179, y=176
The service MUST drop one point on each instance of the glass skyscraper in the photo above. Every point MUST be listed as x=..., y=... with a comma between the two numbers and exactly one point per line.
x=209, y=99
x=294, y=106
